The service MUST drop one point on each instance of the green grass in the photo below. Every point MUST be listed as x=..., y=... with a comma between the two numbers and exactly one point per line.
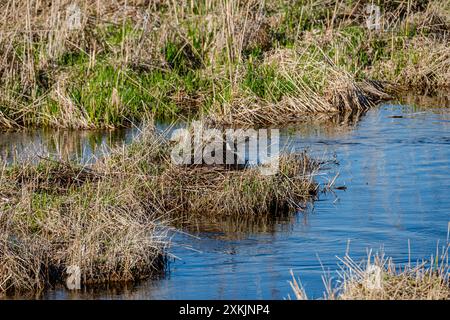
x=265, y=82
x=202, y=56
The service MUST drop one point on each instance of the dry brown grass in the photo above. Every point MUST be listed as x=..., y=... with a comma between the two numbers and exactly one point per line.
x=427, y=280
x=317, y=86
x=426, y=65
x=214, y=191
x=419, y=61
x=216, y=39
x=56, y=215
x=35, y=36
x=379, y=278
x=434, y=20
x=111, y=219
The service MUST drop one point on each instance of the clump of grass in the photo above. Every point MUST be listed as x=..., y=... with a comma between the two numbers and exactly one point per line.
x=51, y=176
x=382, y=279
x=220, y=191
x=110, y=219
x=293, y=83
x=214, y=190
x=54, y=217
x=379, y=278
x=432, y=21
x=421, y=64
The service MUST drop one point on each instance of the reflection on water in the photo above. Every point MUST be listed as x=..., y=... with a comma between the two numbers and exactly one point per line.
x=395, y=163
x=84, y=146
x=238, y=227
x=88, y=146
x=436, y=103
x=330, y=126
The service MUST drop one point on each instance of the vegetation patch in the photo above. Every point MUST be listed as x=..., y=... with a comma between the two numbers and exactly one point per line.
x=111, y=220
x=197, y=190
x=379, y=278
x=119, y=63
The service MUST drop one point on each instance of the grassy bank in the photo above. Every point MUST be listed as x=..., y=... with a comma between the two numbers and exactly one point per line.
x=379, y=278
x=111, y=219
x=247, y=62
x=57, y=215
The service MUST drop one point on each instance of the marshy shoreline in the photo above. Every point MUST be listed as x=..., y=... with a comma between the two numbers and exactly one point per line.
x=111, y=219
x=250, y=62
x=228, y=63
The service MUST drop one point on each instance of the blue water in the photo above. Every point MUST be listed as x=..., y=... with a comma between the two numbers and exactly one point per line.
x=397, y=174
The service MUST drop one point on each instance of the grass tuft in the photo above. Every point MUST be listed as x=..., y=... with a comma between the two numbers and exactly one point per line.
x=379, y=278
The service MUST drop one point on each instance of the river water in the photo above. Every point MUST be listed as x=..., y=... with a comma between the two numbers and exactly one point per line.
x=394, y=162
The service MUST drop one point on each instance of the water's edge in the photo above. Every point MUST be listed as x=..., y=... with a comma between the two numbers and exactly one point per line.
x=394, y=161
